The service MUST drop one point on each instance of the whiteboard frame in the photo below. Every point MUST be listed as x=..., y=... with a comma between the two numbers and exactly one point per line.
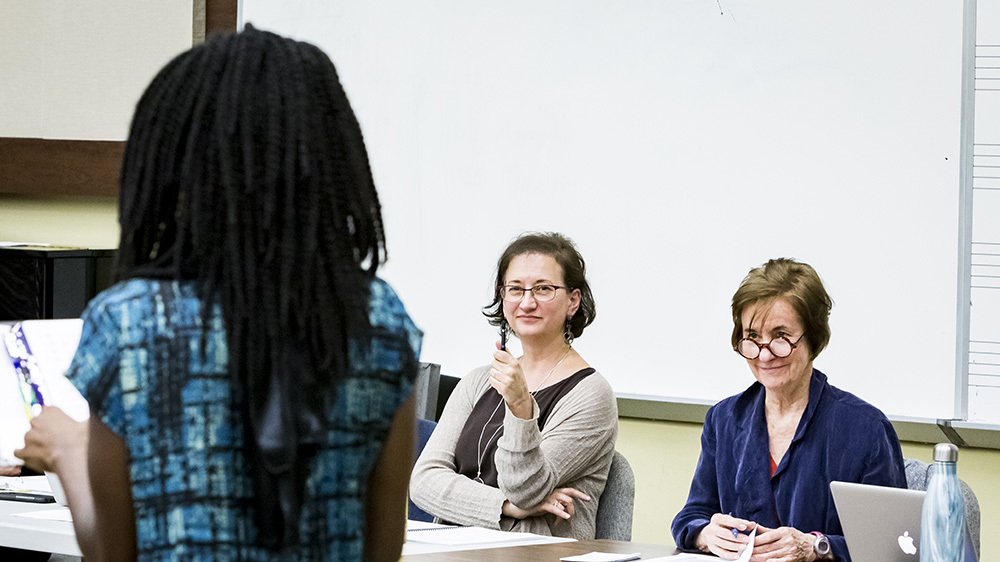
x=959, y=389
x=963, y=332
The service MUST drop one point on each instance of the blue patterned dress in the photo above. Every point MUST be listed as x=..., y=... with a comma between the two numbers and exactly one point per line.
x=157, y=377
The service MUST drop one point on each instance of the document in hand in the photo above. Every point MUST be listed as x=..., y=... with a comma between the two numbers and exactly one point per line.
x=51, y=345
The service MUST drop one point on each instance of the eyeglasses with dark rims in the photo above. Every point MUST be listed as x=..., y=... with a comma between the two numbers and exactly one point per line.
x=541, y=293
x=779, y=347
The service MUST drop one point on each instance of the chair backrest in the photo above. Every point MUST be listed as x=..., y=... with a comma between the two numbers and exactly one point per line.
x=918, y=474
x=426, y=390
x=614, y=510
x=424, y=430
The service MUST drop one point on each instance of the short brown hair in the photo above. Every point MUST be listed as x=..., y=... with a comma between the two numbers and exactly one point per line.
x=796, y=282
x=561, y=249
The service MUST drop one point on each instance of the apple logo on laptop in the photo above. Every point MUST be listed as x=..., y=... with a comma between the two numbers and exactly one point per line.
x=906, y=543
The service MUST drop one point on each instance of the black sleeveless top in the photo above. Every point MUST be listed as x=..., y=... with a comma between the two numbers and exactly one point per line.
x=478, y=441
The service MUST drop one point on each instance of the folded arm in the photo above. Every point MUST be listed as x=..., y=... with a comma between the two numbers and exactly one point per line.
x=435, y=484
x=579, y=435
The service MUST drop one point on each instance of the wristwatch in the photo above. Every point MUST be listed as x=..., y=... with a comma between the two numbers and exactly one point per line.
x=822, y=544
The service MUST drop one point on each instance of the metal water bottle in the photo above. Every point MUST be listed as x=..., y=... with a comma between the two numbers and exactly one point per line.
x=942, y=526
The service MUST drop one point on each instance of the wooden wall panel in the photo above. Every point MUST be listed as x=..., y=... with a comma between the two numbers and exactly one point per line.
x=60, y=167
x=220, y=16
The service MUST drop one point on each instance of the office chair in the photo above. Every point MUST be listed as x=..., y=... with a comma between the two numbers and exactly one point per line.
x=614, y=512
x=425, y=388
x=424, y=430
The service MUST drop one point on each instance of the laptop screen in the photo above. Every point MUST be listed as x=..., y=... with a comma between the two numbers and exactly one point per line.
x=882, y=524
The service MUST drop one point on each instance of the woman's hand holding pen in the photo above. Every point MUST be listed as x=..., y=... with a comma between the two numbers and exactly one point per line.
x=507, y=378
x=722, y=536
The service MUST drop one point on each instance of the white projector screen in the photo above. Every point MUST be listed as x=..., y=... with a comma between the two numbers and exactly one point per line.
x=679, y=143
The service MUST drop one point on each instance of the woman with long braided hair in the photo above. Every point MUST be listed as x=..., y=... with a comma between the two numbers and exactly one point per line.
x=248, y=370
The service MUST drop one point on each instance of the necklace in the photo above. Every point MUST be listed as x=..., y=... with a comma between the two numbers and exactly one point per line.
x=481, y=450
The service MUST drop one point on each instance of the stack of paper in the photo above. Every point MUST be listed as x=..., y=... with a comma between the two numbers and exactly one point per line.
x=457, y=536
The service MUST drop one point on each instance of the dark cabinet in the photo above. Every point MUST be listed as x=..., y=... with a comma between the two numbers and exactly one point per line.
x=51, y=282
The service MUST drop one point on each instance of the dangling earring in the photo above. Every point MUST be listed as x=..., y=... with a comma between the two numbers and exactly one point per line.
x=568, y=333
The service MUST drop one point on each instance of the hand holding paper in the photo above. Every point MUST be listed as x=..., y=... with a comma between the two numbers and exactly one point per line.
x=782, y=543
x=52, y=345
x=55, y=441
x=748, y=551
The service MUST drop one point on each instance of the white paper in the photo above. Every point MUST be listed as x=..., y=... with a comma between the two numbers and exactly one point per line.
x=691, y=557
x=33, y=484
x=748, y=551
x=686, y=557
x=454, y=536
x=61, y=514
x=415, y=546
x=53, y=344
x=602, y=557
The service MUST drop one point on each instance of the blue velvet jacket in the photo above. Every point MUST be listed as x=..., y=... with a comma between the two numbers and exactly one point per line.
x=840, y=437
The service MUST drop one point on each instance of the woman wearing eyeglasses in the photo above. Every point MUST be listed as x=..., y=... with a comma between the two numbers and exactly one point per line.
x=525, y=442
x=768, y=455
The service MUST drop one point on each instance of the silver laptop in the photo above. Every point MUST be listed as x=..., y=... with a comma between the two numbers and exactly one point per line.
x=882, y=524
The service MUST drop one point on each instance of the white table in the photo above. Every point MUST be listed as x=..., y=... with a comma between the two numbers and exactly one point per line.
x=489, y=539
x=56, y=537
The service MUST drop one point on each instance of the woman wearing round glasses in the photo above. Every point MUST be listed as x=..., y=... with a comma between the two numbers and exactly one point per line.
x=525, y=443
x=768, y=455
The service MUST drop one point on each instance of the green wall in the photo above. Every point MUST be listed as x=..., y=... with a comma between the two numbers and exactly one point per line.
x=79, y=222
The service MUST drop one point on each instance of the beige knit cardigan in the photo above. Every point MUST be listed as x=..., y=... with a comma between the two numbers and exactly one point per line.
x=574, y=450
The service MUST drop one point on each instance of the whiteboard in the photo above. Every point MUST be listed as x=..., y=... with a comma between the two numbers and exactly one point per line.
x=679, y=143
